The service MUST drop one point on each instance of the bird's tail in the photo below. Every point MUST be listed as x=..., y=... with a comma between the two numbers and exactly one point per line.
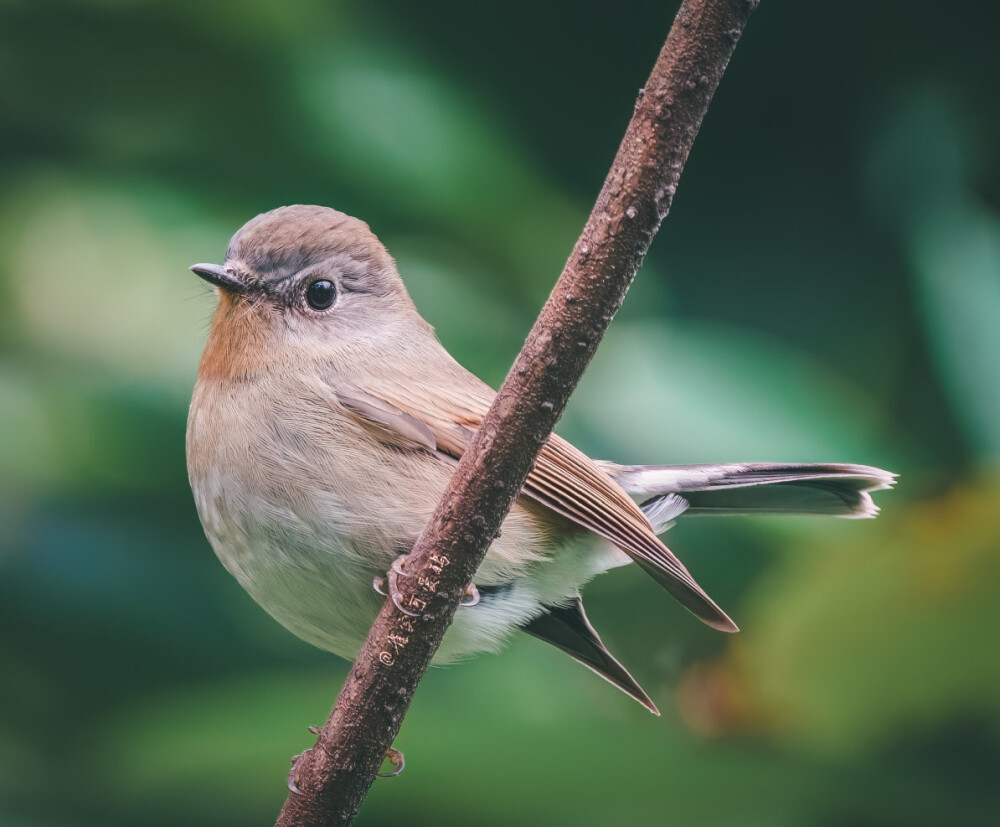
x=667, y=491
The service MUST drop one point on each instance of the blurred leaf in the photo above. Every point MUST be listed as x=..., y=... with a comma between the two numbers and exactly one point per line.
x=440, y=152
x=956, y=258
x=213, y=751
x=919, y=156
x=919, y=176
x=99, y=273
x=223, y=750
x=64, y=428
x=849, y=646
x=136, y=137
x=701, y=392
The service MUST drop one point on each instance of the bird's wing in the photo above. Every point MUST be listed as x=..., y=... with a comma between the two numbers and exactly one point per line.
x=385, y=421
x=563, y=479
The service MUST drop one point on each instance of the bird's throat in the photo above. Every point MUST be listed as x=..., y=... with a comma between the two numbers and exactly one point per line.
x=238, y=343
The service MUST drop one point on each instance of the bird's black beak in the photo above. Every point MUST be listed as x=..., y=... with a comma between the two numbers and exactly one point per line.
x=220, y=276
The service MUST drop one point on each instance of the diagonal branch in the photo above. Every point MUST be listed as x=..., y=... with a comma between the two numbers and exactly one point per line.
x=334, y=776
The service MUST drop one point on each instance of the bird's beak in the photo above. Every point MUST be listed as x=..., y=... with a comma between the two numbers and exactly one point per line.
x=220, y=276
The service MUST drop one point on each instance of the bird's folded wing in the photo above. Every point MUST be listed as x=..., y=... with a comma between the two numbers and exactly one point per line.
x=563, y=479
x=385, y=421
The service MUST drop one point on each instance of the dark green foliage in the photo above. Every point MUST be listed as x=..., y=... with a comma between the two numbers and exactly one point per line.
x=827, y=288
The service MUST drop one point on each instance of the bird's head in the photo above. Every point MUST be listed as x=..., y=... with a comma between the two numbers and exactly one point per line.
x=298, y=280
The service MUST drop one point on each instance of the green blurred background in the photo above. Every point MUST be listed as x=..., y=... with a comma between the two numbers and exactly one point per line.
x=827, y=287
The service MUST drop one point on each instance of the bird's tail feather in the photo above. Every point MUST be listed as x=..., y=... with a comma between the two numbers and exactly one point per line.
x=755, y=488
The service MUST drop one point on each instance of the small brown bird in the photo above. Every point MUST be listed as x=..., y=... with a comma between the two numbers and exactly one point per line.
x=327, y=420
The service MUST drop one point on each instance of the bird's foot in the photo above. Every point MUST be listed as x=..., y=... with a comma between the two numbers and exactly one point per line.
x=388, y=586
x=394, y=757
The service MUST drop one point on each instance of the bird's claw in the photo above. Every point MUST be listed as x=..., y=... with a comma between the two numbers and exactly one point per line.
x=290, y=781
x=387, y=585
x=395, y=595
x=471, y=597
x=394, y=757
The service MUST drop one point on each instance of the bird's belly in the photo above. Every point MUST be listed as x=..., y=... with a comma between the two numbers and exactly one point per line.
x=313, y=583
x=317, y=581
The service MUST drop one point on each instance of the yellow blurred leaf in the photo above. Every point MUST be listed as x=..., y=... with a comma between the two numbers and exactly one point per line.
x=888, y=627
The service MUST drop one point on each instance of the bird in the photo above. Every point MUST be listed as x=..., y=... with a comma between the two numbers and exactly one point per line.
x=327, y=419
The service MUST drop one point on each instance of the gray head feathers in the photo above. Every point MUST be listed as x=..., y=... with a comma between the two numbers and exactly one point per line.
x=288, y=240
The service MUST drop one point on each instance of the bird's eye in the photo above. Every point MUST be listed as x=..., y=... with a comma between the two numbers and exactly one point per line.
x=321, y=294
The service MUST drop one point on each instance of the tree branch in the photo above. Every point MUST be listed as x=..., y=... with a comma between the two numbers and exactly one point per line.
x=334, y=776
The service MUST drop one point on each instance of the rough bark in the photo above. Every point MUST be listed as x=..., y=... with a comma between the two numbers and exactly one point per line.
x=334, y=776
